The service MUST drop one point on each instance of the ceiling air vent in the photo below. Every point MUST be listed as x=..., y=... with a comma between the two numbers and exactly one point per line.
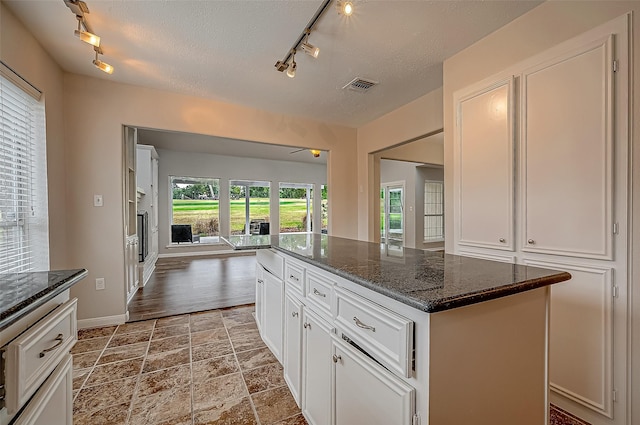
x=360, y=84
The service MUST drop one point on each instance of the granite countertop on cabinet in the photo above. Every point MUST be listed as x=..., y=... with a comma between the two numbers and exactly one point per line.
x=426, y=280
x=244, y=242
x=21, y=293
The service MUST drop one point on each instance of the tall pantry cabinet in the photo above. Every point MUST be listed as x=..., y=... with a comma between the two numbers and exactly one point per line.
x=541, y=178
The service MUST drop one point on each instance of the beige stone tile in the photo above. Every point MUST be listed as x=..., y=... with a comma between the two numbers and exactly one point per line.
x=113, y=371
x=79, y=376
x=212, y=368
x=93, y=344
x=240, y=330
x=233, y=412
x=206, y=324
x=264, y=377
x=255, y=358
x=111, y=415
x=90, y=399
x=208, y=351
x=209, y=336
x=248, y=340
x=168, y=331
x=274, y=405
x=123, y=353
x=96, y=332
x=85, y=360
x=154, y=382
x=294, y=420
x=129, y=338
x=209, y=393
x=166, y=359
x=238, y=318
x=135, y=327
x=209, y=314
x=172, y=321
x=169, y=344
x=242, y=309
x=161, y=407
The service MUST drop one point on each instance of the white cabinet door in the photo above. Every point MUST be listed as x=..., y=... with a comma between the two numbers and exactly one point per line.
x=293, y=346
x=52, y=403
x=259, y=296
x=567, y=148
x=366, y=393
x=483, y=164
x=316, y=403
x=273, y=314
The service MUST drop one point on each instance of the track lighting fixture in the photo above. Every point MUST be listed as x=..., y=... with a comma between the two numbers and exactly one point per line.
x=345, y=8
x=291, y=70
x=309, y=49
x=86, y=36
x=315, y=153
x=103, y=66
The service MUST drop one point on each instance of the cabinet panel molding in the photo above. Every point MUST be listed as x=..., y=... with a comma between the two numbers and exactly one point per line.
x=581, y=335
x=567, y=153
x=483, y=166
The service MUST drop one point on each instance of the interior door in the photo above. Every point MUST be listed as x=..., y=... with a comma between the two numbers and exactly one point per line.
x=392, y=196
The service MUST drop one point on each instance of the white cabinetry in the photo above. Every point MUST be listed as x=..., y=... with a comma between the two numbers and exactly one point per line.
x=292, y=355
x=259, y=295
x=272, y=314
x=316, y=404
x=147, y=186
x=365, y=393
x=573, y=203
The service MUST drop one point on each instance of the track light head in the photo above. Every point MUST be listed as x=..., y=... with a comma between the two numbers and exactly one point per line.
x=88, y=37
x=312, y=51
x=281, y=66
x=291, y=72
x=345, y=8
x=315, y=153
x=103, y=66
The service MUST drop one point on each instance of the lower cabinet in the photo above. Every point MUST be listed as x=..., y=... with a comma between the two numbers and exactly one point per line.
x=292, y=349
x=316, y=404
x=259, y=295
x=366, y=393
x=272, y=313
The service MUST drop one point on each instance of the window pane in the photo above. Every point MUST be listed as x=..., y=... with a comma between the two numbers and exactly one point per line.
x=325, y=208
x=249, y=216
x=238, y=205
x=433, y=210
x=295, y=207
x=259, y=209
x=195, y=202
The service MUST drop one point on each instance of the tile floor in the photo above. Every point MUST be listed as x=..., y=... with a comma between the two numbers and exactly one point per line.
x=194, y=369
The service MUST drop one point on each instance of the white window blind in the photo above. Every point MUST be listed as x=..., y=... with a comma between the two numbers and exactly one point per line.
x=24, y=241
x=433, y=211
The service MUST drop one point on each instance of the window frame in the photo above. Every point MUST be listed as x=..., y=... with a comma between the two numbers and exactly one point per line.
x=426, y=239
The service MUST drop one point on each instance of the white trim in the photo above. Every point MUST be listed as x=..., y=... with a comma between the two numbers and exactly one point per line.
x=16, y=79
x=97, y=322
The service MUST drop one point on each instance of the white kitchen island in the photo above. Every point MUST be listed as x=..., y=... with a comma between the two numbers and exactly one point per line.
x=377, y=337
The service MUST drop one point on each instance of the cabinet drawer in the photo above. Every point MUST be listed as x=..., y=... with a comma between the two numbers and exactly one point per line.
x=52, y=403
x=294, y=276
x=271, y=262
x=383, y=334
x=32, y=356
x=319, y=292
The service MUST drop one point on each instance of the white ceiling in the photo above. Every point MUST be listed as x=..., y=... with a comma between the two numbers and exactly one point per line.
x=187, y=142
x=226, y=50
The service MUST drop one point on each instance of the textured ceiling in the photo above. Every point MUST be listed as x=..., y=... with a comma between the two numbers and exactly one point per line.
x=226, y=50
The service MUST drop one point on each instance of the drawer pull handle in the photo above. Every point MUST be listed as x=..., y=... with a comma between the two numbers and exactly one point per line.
x=260, y=281
x=307, y=325
x=336, y=358
x=531, y=242
x=294, y=278
x=502, y=240
x=318, y=293
x=362, y=325
x=59, y=338
x=294, y=314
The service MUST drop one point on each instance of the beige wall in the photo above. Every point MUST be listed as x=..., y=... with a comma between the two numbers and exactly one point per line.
x=542, y=28
x=418, y=118
x=34, y=64
x=94, y=146
x=427, y=150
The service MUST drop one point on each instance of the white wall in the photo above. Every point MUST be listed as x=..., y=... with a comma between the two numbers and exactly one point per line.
x=423, y=174
x=225, y=168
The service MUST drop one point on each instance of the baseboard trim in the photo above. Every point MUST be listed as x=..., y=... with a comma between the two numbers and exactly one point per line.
x=206, y=253
x=97, y=322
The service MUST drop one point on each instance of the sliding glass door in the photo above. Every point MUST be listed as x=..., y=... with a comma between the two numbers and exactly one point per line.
x=392, y=212
x=249, y=206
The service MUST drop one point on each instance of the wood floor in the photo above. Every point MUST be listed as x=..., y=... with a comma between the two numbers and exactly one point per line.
x=189, y=284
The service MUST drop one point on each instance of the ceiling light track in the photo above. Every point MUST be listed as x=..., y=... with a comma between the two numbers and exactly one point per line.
x=303, y=42
x=86, y=33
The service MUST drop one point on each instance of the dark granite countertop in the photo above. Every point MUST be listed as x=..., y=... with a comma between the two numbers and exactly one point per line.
x=21, y=293
x=426, y=280
x=242, y=242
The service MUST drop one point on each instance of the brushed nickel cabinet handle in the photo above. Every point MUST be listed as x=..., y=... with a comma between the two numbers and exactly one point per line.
x=531, y=242
x=59, y=338
x=502, y=240
x=362, y=325
x=260, y=281
x=318, y=293
x=307, y=325
x=294, y=278
x=336, y=359
x=294, y=314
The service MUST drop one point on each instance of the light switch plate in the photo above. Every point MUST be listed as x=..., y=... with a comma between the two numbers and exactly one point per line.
x=97, y=200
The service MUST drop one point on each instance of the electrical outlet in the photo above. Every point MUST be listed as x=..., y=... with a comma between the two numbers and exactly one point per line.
x=99, y=283
x=97, y=200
